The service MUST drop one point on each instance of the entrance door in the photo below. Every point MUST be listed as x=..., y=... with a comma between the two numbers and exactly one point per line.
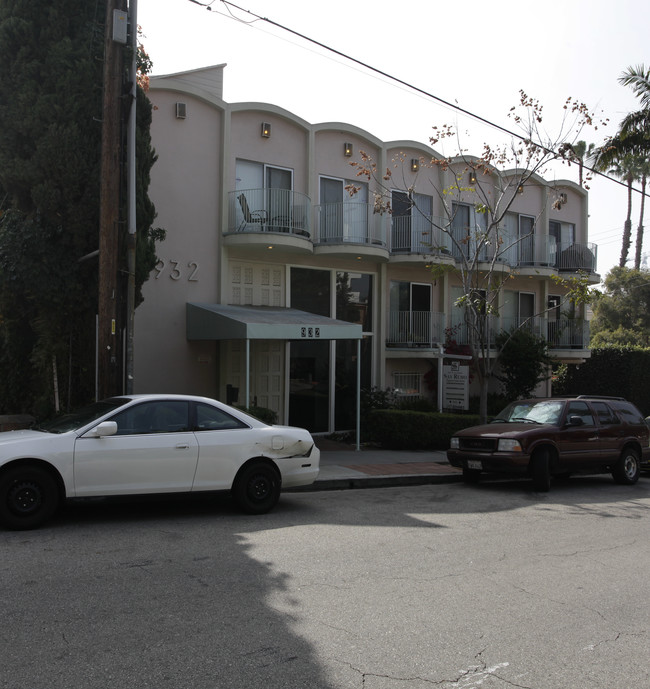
x=309, y=385
x=268, y=366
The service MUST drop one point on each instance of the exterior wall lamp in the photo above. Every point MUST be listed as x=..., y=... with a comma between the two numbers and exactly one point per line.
x=347, y=149
x=266, y=130
x=415, y=164
x=472, y=176
x=520, y=189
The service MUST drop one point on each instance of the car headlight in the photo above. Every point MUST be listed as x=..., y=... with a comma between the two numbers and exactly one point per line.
x=508, y=445
x=454, y=444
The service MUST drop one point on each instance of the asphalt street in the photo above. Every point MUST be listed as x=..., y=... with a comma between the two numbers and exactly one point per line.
x=412, y=587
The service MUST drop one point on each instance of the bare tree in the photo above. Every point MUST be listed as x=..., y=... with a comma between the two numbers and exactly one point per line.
x=491, y=183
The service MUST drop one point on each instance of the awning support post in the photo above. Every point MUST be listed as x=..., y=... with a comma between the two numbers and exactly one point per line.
x=248, y=374
x=358, y=395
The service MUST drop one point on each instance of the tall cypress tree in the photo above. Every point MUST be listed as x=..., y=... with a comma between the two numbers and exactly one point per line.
x=50, y=132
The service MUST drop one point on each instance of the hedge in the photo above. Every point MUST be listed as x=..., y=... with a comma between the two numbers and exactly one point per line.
x=397, y=429
x=622, y=371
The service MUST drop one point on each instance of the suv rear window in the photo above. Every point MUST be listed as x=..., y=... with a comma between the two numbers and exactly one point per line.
x=628, y=412
x=605, y=415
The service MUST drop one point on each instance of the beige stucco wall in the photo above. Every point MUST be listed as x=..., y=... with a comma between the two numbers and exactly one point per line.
x=185, y=186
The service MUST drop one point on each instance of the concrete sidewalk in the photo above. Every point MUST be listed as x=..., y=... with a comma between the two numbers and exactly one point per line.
x=342, y=466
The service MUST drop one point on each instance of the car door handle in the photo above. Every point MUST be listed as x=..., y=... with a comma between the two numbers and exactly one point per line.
x=183, y=446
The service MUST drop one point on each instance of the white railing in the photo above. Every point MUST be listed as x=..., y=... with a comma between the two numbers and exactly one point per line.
x=269, y=210
x=338, y=223
x=415, y=329
x=419, y=234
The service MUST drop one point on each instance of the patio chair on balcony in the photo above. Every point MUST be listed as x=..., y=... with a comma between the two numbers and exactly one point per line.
x=251, y=217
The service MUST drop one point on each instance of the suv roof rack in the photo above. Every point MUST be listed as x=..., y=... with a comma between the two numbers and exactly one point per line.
x=599, y=397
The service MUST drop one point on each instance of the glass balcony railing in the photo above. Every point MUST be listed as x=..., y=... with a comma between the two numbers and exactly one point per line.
x=269, y=210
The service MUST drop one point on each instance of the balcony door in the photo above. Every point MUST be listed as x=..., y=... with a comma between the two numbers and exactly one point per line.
x=410, y=313
x=268, y=192
x=343, y=217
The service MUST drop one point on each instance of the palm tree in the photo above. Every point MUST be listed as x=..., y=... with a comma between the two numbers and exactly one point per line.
x=628, y=152
x=625, y=167
x=644, y=170
x=581, y=152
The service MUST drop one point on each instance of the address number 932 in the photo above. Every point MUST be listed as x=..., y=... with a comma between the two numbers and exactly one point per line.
x=175, y=271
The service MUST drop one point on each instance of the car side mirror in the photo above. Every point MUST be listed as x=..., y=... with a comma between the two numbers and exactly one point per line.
x=105, y=428
x=575, y=420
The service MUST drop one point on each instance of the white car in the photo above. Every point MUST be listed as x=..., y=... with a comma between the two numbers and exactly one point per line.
x=148, y=444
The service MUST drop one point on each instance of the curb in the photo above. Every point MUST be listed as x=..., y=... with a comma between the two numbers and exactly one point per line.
x=375, y=482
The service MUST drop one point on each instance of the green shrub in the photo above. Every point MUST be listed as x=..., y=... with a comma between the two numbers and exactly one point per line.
x=398, y=429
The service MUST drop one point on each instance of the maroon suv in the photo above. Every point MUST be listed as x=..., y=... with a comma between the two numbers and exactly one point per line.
x=556, y=437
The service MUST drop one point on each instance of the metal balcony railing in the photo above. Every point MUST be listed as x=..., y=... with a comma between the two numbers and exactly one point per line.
x=425, y=329
x=269, y=210
x=572, y=256
x=419, y=234
x=347, y=222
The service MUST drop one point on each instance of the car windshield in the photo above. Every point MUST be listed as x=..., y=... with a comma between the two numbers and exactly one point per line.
x=543, y=412
x=81, y=417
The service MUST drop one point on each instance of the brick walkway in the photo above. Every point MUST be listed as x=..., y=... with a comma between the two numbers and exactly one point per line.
x=403, y=468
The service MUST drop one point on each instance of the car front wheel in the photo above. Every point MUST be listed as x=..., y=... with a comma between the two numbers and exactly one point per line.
x=541, y=471
x=257, y=488
x=627, y=469
x=28, y=497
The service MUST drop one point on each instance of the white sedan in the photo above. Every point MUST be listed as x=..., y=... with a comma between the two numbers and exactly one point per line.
x=148, y=444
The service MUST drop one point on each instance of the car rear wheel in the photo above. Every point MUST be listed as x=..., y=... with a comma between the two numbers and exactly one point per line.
x=627, y=469
x=541, y=471
x=28, y=497
x=257, y=488
x=471, y=475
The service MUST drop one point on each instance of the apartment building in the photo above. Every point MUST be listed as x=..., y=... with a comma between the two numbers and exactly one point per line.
x=277, y=287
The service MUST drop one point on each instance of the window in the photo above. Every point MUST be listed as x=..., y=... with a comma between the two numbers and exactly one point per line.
x=354, y=299
x=342, y=217
x=209, y=418
x=164, y=416
x=605, y=415
x=267, y=190
x=410, y=313
x=310, y=291
x=468, y=228
x=407, y=384
x=582, y=410
x=411, y=222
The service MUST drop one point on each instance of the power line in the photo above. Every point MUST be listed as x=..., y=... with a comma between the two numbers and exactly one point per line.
x=398, y=80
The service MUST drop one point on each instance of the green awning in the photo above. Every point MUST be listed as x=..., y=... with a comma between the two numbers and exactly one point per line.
x=227, y=322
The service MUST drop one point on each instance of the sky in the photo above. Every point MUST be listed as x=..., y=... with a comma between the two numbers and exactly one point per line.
x=474, y=54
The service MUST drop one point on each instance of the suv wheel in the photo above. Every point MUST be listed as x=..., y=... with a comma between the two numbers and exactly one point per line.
x=541, y=471
x=626, y=470
x=471, y=475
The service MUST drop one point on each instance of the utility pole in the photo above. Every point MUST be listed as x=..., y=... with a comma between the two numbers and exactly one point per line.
x=131, y=194
x=109, y=205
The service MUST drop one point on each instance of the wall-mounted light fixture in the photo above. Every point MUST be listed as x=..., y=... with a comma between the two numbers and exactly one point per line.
x=347, y=149
x=266, y=130
x=472, y=176
x=415, y=164
x=563, y=198
x=520, y=189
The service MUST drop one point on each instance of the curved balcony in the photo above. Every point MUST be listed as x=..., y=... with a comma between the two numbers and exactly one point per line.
x=573, y=257
x=414, y=237
x=348, y=228
x=254, y=214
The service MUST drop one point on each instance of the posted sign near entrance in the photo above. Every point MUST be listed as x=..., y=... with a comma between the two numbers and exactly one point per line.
x=455, y=386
